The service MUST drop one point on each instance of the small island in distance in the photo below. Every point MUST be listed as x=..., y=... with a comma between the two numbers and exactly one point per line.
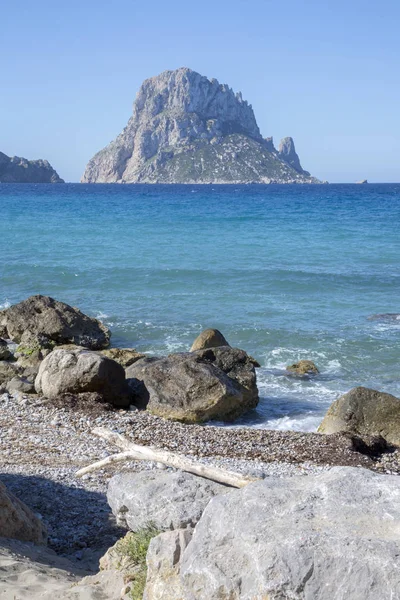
x=186, y=128
x=21, y=170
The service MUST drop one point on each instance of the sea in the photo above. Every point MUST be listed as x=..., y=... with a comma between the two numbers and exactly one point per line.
x=286, y=272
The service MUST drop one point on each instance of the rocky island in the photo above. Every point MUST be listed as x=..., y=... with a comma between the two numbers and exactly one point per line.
x=186, y=128
x=21, y=170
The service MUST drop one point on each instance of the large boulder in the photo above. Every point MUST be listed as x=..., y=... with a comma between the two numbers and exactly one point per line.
x=17, y=521
x=330, y=536
x=209, y=338
x=41, y=320
x=167, y=500
x=365, y=412
x=80, y=371
x=218, y=383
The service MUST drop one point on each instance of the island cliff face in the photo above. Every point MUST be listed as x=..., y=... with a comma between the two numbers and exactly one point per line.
x=20, y=170
x=186, y=128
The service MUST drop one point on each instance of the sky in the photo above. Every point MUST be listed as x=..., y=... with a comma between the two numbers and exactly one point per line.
x=325, y=72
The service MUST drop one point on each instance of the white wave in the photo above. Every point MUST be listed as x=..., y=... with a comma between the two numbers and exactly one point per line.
x=286, y=423
x=5, y=304
x=101, y=315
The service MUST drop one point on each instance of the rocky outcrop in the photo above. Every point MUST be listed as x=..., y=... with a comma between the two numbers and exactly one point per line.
x=81, y=372
x=323, y=537
x=17, y=521
x=217, y=383
x=168, y=500
x=303, y=367
x=20, y=170
x=41, y=321
x=365, y=412
x=287, y=152
x=209, y=338
x=186, y=128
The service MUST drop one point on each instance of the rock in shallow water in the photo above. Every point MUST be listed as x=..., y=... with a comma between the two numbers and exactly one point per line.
x=217, y=383
x=303, y=367
x=333, y=536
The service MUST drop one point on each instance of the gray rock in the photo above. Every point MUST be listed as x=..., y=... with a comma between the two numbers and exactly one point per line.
x=195, y=387
x=163, y=565
x=41, y=320
x=186, y=128
x=81, y=371
x=168, y=500
x=365, y=412
x=239, y=366
x=333, y=536
x=209, y=338
x=20, y=384
x=11, y=370
x=17, y=521
x=20, y=170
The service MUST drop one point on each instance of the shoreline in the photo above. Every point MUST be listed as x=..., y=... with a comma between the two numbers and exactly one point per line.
x=44, y=444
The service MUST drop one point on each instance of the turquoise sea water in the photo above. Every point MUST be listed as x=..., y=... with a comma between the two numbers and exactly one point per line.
x=286, y=272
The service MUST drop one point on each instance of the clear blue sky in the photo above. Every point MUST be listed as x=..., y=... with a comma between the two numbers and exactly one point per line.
x=325, y=72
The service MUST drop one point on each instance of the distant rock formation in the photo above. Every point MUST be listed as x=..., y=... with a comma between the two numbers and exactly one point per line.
x=363, y=181
x=20, y=170
x=287, y=152
x=186, y=128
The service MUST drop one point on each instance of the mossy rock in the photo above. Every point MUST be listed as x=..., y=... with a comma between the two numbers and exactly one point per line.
x=303, y=367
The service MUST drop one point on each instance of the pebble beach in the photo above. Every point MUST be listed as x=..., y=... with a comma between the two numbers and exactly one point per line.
x=44, y=444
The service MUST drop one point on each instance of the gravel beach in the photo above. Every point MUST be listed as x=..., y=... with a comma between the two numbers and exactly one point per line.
x=43, y=444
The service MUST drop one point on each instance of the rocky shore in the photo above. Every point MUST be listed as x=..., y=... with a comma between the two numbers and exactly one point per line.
x=46, y=438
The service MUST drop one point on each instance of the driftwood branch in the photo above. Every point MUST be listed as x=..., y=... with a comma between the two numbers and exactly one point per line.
x=172, y=459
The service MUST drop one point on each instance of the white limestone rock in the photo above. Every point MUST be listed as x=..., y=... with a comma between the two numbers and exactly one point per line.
x=322, y=537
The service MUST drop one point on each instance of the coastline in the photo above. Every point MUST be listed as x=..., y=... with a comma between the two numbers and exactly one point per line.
x=43, y=445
